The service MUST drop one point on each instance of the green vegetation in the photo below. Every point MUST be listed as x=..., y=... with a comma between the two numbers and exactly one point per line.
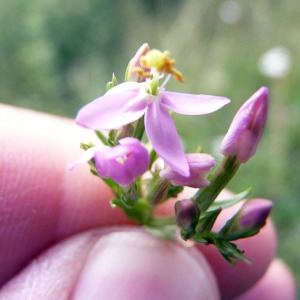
x=56, y=56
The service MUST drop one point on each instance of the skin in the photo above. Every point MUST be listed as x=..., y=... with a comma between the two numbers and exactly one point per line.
x=60, y=239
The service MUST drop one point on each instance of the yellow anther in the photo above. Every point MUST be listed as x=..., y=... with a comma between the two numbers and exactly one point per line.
x=161, y=62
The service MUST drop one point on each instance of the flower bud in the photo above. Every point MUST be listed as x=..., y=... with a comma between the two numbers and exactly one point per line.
x=248, y=220
x=254, y=213
x=187, y=214
x=247, y=127
x=123, y=163
x=199, y=163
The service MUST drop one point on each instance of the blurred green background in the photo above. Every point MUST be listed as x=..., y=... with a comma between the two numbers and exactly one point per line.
x=56, y=56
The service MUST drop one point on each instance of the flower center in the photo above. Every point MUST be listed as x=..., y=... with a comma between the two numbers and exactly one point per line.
x=152, y=90
x=159, y=64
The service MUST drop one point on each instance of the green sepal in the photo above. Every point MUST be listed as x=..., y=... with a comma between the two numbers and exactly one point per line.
x=139, y=129
x=112, y=83
x=163, y=227
x=153, y=156
x=86, y=146
x=112, y=138
x=157, y=190
x=154, y=87
x=187, y=233
x=228, y=250
x=102, y=138
x=207, y=220
x=242, y=234
x=112, y=184
x=174, y=190
x=139, y=211
x=127, y=74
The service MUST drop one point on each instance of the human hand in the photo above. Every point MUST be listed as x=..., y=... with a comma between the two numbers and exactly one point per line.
x=59, y=238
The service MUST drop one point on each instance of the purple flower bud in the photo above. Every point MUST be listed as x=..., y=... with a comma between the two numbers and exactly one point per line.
x=187, y=213
x=254, y=213
x=247, y=127
x=199, y=163
x=123, y=163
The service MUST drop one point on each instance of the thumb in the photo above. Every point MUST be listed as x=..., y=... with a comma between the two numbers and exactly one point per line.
x=136, y=265
x=117, y=264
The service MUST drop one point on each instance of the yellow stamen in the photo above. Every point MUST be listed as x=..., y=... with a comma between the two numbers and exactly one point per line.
x=161, y=62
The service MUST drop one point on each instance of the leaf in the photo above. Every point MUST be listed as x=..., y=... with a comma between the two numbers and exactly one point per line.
x=231, y=201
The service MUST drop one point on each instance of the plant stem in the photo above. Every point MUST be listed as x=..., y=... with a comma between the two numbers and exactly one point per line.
x=218, y=181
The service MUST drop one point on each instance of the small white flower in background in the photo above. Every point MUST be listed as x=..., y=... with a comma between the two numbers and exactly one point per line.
x=275, y=62
x=230, y=12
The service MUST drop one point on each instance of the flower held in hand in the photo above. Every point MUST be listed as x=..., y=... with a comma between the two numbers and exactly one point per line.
x=129, y=101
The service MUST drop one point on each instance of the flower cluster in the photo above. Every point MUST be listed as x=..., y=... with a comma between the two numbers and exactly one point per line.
x=141, y=105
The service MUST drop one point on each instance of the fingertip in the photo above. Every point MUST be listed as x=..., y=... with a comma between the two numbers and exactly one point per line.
x=277, y=283
x=116, y=263
x=137, y=265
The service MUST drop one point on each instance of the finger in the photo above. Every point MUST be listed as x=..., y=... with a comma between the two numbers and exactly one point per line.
x=41, y=201
x=277, y=284
x=126, y=264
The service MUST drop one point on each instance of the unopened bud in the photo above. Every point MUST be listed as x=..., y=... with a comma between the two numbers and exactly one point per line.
x=187, y=215
x=248, y=220
x=255, y=213
x=247, y=127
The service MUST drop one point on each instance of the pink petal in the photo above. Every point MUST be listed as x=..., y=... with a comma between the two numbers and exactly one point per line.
x=162, y=134
x=200, y=164
x=189, y=104
x=123, y=163
x=86, y=156
x=121, y=105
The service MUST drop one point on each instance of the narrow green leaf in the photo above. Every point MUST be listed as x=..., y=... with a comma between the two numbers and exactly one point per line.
x=231, y=201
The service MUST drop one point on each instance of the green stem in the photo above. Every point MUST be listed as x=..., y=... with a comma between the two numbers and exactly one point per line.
x=218, y=181
x=153, y=156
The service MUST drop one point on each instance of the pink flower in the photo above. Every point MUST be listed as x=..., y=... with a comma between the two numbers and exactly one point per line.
x=123, y=163
x=200, y=164
x=129, y=101
x=247, y=127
